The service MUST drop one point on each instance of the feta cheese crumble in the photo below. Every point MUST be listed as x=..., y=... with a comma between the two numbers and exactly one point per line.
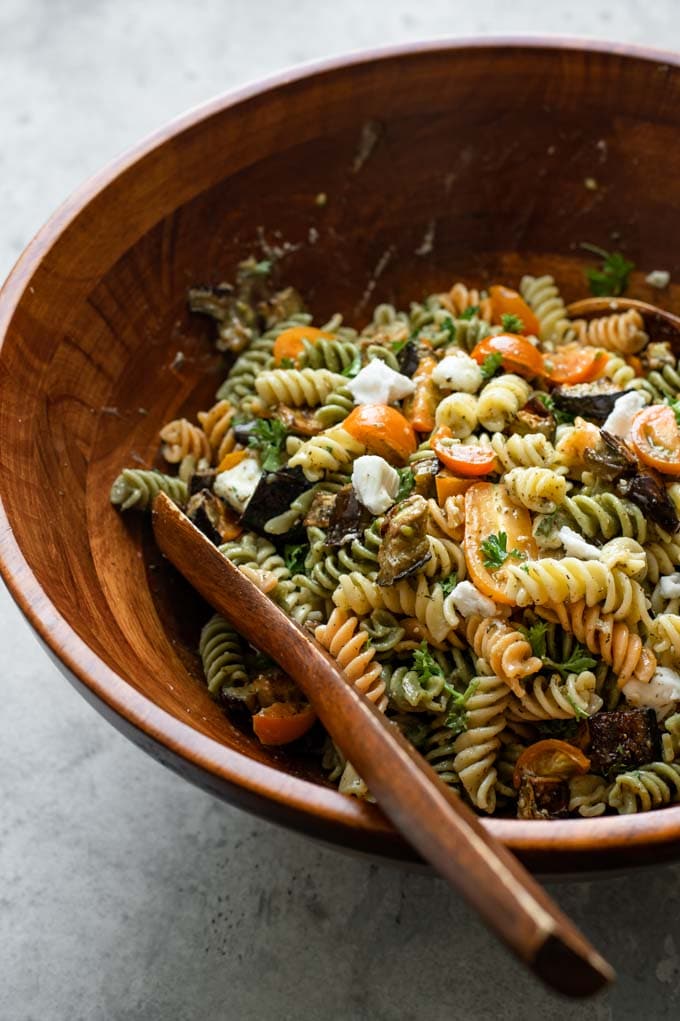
x=619, y=421
x=458, y=372
x=468, y=601
x=375, y=482
x=377, y=383
x=237, y=484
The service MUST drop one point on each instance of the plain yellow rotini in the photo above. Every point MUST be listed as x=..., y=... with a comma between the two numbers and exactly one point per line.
x=477, y=748
x=539, y=489
x=427, y=604
x=458, y=412
x=500, y=400
x=297, y=387
x=544, y=298
x=552, y=698
x=181, y=439
x=330, y=451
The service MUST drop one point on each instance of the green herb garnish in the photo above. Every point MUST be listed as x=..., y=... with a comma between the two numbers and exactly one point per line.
x=495, y=550
x=449, y=584
x=406, y=483
x=561, y=417
x=675, y=407
x=425, y=665
x=579, y=714
x=449, y=326
x=511, y=323
x=287, y=363
x=457, y=717
x=612, y=278
x=269, y=437
x=399, y=345
x=469, y=313
x=294, y=556
x=263, y=268
x=578, y=660
x=354, y=366
x=491, y=364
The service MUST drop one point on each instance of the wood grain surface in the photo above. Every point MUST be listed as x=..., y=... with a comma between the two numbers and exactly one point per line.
x=437, y=162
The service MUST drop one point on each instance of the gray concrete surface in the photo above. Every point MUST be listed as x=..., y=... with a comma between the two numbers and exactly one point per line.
x=125, y=894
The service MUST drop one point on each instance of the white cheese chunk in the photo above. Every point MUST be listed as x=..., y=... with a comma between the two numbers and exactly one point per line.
x=468, y=601
x=659, y=278
x=660, y=693
x=458, y=372
x=377, y=383
x=576, y=545
x=669, y=586
x=620, y=418
x=237, y=484
x=375, y=482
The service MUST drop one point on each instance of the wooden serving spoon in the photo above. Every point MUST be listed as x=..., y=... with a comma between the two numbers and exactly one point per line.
x=667, y=325
x=431, y=816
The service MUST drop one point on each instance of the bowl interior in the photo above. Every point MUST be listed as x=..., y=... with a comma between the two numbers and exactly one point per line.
x=471, y=162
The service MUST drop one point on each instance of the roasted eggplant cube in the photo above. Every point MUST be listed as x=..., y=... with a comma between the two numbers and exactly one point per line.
x=542, y=797
x=405, y=547
x=348, y=520
x=408, y=358
x=589, y=400
x=210, y=515
x=623, y=739
x=320, y=511
x=274, y=494
x=200, y=480
x=425, y=476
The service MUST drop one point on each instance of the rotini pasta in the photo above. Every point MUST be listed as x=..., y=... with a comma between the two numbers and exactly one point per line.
x=482, y=546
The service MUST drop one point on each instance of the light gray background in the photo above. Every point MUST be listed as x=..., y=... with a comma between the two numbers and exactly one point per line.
x=125, y=894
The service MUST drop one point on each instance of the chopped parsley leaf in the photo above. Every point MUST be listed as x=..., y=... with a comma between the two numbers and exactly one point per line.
x=294, y=556
x=612, y=277
x=491, y=364
x=287, y=363
x=406, y=483
x=511, y=323
x=354, y=366
x=269, y=437
x=425, y=665
x=457, y=717
x=399, y=345
x=449, y=326
x=469, y=313
x=495, y=550
x=449, y=584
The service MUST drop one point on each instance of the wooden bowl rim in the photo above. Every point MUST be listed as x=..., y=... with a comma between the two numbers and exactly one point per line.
x=307, y=806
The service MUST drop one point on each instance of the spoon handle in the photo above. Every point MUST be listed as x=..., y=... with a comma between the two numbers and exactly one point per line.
x=431, y=816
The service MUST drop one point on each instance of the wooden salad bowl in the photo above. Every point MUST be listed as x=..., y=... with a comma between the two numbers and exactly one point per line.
x=437, y=162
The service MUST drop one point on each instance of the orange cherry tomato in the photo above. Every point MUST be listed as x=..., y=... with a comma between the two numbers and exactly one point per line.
x=574, y=363
x=281, y=723
x=450, y=485
x=519, y=354
x=289, y=344
x=490, y=511
x=421, y=406
x=505, y=301
x=655, y=438
x=231, y=460
x=550, y=758
x=477, y=460
x=382, y=430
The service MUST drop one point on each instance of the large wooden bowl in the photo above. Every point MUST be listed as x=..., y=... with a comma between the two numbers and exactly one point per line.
x=438, y=162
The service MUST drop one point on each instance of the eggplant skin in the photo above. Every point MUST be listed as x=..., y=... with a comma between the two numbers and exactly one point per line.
x=405, y=547
x=542, y=797
x=200, y=480
x=408, y=358
x=612, y=459
x=349, y=518
x=650, y=496
x=274, y=494
x=622, y=739
x=208, y=513
x=589, y=400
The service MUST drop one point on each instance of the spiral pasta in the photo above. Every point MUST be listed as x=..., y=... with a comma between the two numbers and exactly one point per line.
x=461, y=298
x=446, y=557
x=297, y=387
x=137, y=487
x=448, y=521
x=664, y=637
x=216, y=424
x=477, y=748
x=330, y=451
x=643, y=789
x=459, y=413
x=181, y=439
x=240, y=383
x=356, y=658
x=543, y=297
x=500, y=400
x=361, y=595
x=610, y=639
x=551, y=698
x=335, y=355
x=507, y=651
x=221, y=651
x=588, y=795
x=539, y=489
x=622, y=332
x=531, y=451
x=606, y=515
